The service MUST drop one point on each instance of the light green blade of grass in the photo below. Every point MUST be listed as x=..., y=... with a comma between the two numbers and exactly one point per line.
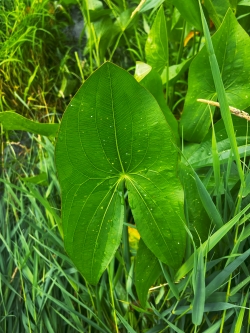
x=125, y=323
x=199, y=290
x=67, y=321
x=64, y=307
x=225, y=273
x=41, y=199
x=239, y=322
x=210, y=243
x=175, y=328
x=209, y=307
x=224, y=107
x=214, y=328
x=239, y=286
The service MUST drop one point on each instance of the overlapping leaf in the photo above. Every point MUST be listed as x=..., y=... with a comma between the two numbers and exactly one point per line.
x=147, y=270
x=190, y=11
x=231, y=45
x=156, y=47
x=113, y=134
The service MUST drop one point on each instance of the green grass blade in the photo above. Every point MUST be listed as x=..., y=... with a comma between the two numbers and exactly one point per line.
x=225, y=273
x=213, y=240
x=199, y=290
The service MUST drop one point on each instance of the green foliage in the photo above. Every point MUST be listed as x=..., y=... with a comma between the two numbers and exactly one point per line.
x=204, y=287
x=231, y=44
x=124, y=152
x=156, y=47
x=147, y=271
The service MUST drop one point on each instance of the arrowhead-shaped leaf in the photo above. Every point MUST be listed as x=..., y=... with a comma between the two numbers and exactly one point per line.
x=156, y=47
x=231, y=45
x=114, y=135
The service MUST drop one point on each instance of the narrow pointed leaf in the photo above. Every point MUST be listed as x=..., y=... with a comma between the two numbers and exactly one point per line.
x=210, y=243
x=14, y=121
x=217, y=282
x=231, y=44
x=156, y=47
x=114, y=134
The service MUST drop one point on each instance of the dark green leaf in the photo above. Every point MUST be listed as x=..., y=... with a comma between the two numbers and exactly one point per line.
x=147, y=270
x=113, y=134
x=190, y=11
x=231, y=44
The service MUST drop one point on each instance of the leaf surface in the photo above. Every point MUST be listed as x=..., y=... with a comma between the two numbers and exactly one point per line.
x=231, y=45
x=217, y=10
x=190, y=11
x=147, y=270
x=114, y=134
x=156, y=47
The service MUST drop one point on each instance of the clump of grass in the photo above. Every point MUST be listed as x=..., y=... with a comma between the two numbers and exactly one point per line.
x=34, y=56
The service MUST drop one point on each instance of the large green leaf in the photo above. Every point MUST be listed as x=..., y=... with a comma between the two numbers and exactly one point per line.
x=14, y=121
x=113, y=134
x=156, y=47
x=231, y=45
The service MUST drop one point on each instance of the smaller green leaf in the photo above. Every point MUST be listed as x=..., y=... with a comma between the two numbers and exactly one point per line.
x=190, y=11
x=14, y=121
x=234, y=71
x=141, y=70
x=217, y=10
x=176, y=71
x=147, y=270
x=156, y=47
x=149, y=4
x=40, y=179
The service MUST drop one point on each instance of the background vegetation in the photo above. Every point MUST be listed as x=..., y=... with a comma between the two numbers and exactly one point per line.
x=47, y=50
